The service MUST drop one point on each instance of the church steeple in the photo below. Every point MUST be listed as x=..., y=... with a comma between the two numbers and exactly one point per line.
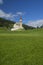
x=20, y=19
x=18, y=26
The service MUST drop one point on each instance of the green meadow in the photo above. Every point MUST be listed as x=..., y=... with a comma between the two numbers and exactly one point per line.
x=21, y=47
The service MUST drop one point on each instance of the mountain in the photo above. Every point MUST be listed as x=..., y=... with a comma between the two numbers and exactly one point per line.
x=6, y=23
x=26, y=27
x=9, y=24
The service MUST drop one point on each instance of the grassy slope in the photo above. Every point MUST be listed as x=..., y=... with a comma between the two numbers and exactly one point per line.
x=21, y=48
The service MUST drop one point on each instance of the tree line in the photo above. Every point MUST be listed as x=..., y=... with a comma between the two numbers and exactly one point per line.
x=9, y=24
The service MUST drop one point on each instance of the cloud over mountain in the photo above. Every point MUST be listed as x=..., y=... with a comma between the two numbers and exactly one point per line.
x=6, y=15
x=35, y=23
x=9, y=15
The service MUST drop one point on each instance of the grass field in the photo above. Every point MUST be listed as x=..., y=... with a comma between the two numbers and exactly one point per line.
x=21, y=47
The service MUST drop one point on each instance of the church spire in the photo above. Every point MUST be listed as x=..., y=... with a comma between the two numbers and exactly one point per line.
x=20, y=19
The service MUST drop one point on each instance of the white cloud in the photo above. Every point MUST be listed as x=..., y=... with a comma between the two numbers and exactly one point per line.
x=20, y=13
x=1, y=1
x=7, y=15
x=35, y=23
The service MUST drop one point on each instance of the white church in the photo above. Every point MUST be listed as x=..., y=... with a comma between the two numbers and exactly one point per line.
x=17, y=25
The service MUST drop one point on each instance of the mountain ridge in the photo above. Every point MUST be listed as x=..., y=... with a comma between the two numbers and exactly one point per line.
x=9, y=24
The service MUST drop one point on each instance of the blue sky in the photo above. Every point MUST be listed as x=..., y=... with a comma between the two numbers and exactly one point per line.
x=30, y=10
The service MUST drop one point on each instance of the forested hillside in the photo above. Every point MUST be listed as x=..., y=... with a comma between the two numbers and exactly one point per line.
x=9, y=24
x=6, y=23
